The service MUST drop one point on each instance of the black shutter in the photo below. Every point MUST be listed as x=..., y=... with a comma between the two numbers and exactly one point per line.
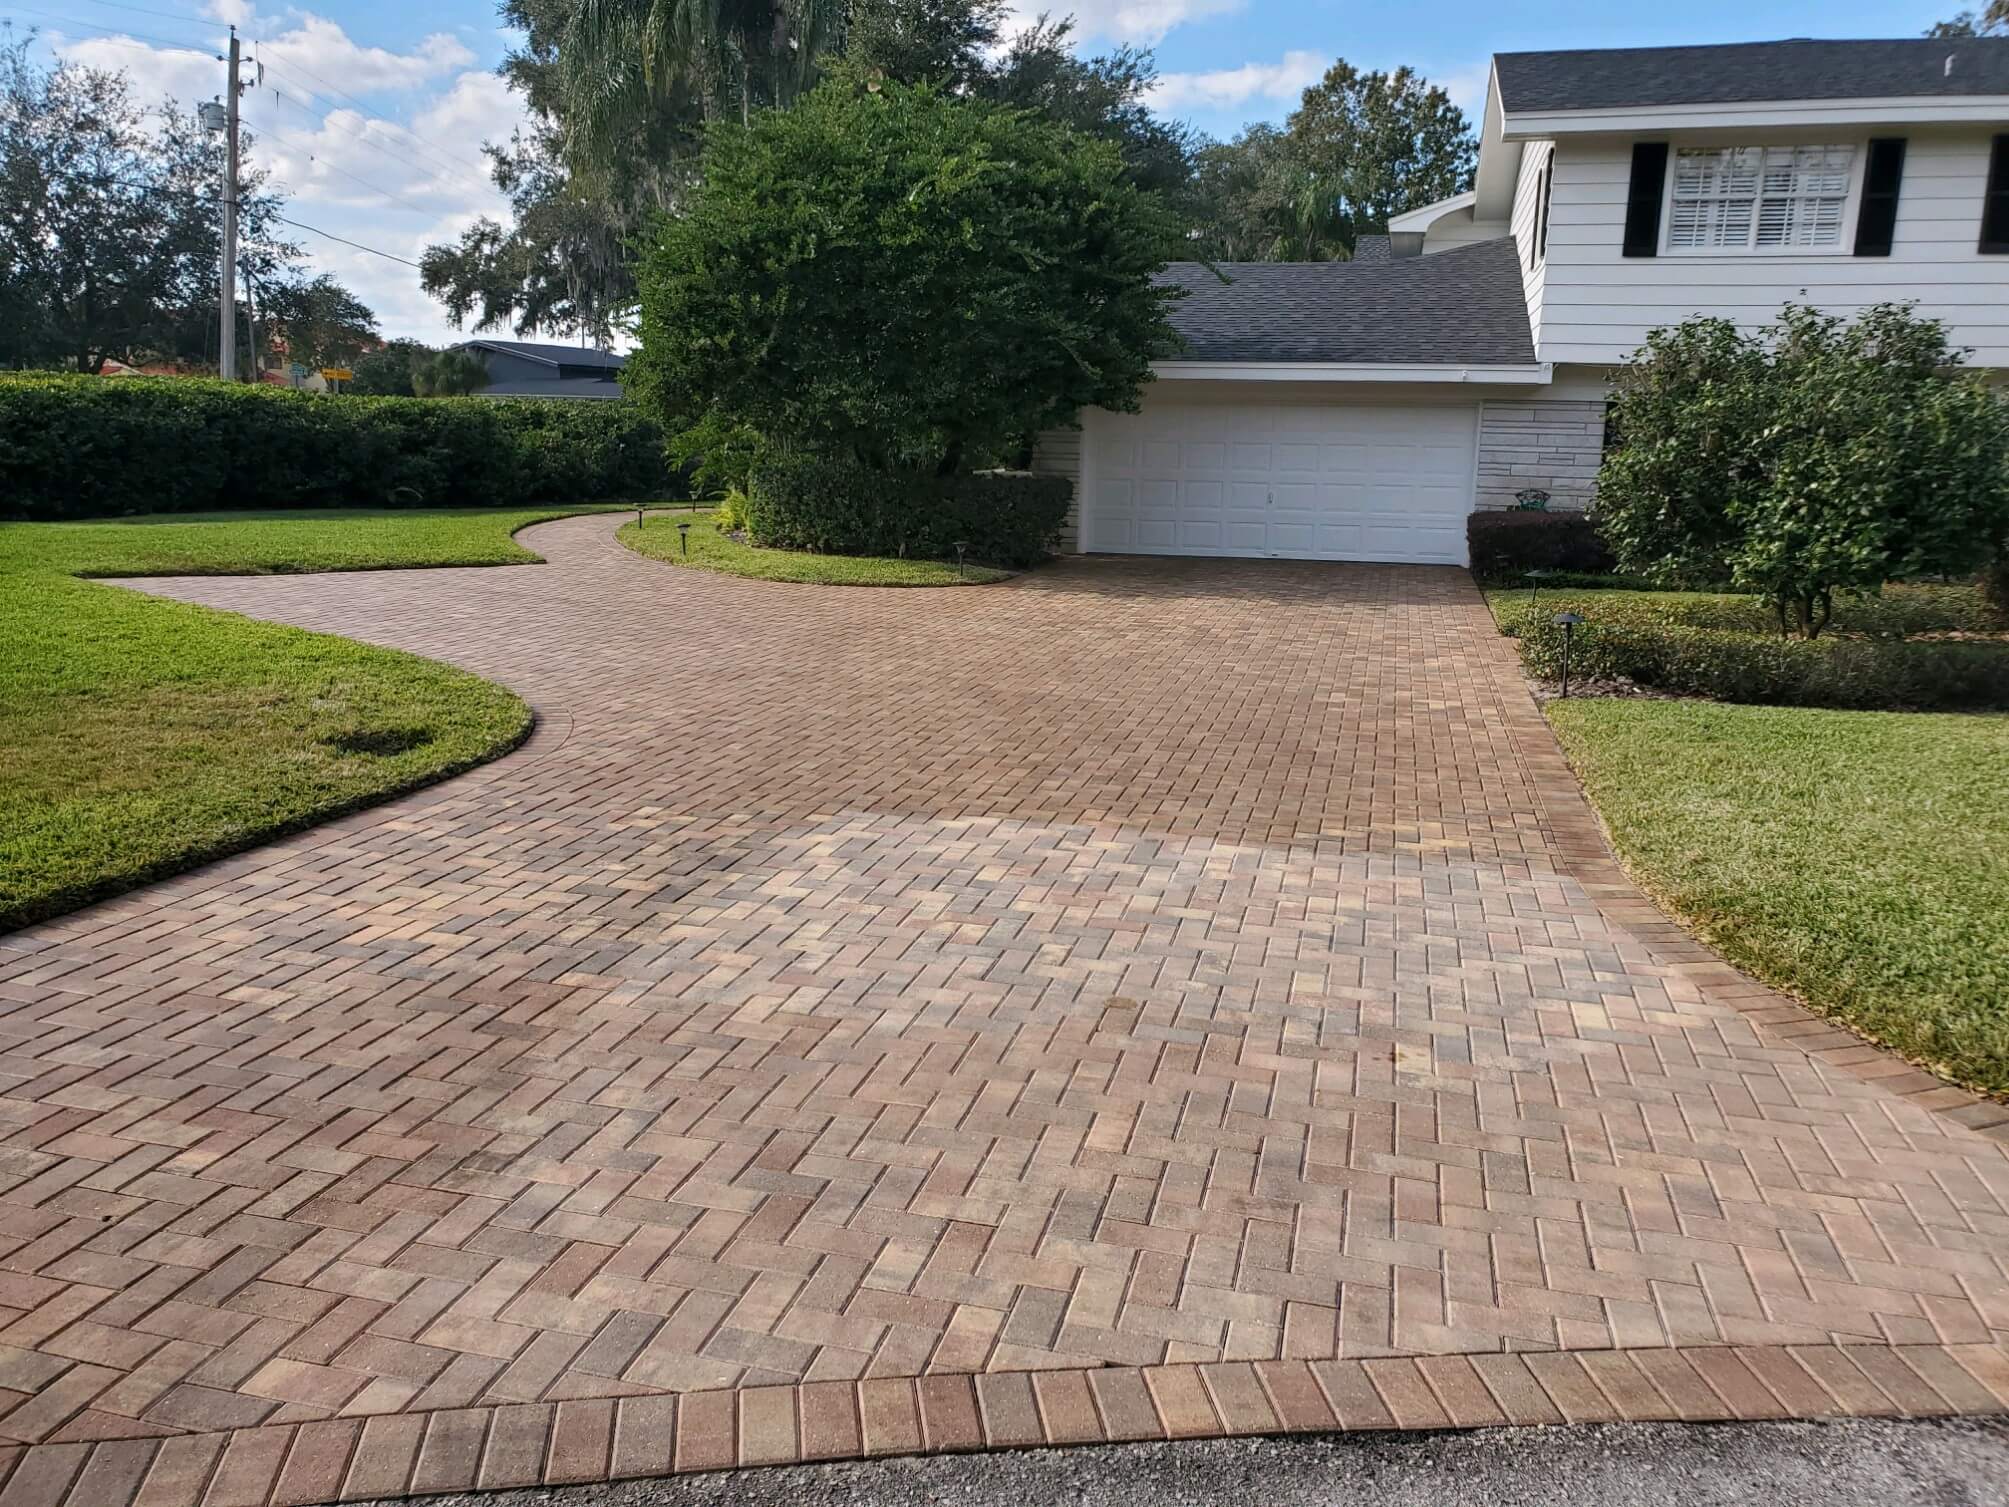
x=1876, y=221
x=1642, y=198
x=1995, y=206
x=1548, y=189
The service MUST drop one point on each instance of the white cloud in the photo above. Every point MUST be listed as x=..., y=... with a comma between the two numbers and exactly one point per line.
x=377, y=146
x=187, y=74
x=318, y=46
x=1141, y=21
x=1280, y=82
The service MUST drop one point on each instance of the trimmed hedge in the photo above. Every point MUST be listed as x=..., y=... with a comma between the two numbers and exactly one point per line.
x=1504, y=545
x=80, y=447
x=1729, y=664
x=838, y=507
x=1898, y=611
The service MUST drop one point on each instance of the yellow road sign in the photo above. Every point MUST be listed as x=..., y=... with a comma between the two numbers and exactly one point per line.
x=337, y=373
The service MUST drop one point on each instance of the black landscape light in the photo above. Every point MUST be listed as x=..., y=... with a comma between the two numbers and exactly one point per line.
x=684, y=537
x=1567, y=621
x=638, y=517
x=961, y=546
x=1535, y=578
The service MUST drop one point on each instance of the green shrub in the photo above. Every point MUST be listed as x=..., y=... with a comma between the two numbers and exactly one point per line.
x=1505, y=545
x=1738, y=664
x=81, y=447
x=803, y=501
x=1898, y=612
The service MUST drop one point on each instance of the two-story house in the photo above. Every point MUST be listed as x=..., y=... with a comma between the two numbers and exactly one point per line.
x=1361, y=410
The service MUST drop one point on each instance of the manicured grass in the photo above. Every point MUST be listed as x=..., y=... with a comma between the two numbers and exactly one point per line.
x=239, y=544
x=712, y=550
x=1859, y=860
x=139, y=737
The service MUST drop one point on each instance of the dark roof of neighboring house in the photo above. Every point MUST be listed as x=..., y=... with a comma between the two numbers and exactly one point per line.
x=1462, y=307
x=554, y=387
x=554, y=355
x=1620, y=78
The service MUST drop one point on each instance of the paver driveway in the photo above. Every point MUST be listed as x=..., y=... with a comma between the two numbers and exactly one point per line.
x=1136, y=964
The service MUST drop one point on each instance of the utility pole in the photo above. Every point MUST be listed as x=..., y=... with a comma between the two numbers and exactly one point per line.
x=227, y=349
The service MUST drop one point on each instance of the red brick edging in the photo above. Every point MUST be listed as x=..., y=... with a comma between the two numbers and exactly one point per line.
x=1584, y=852
x=604, y=1439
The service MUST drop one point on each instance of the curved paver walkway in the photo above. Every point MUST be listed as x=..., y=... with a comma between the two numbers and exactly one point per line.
x=1198, y=984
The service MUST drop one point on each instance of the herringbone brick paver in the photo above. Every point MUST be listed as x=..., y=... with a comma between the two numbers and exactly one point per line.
x=1196, y=984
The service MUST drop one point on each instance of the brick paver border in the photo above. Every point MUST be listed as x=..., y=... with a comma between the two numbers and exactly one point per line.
x=310, y=1457
x=1583, y=850
x=610, y=1439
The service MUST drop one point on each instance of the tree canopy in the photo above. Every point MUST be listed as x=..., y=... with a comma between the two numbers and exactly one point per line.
x=1359, y=149
x=1820, y=455
x=898, y=276
x=109, y=235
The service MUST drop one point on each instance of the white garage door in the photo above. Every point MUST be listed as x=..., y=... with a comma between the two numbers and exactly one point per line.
x=1293, y=481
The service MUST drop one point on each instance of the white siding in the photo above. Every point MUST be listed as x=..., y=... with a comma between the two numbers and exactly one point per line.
x=1597, y=305
x=1460, y=229
x=1526, y=227
x=1057, y=452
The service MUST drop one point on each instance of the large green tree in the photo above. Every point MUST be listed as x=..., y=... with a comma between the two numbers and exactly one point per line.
x=109, y=235
x=1257, y=200
x=947, y=43
x=1359, y=149
x=891, y=274
x=320, y=322
x=1819, y=456
x=1382, y=143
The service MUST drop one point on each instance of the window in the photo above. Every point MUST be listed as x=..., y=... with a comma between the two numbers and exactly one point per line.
x=1995, y=202
x=1758, y=198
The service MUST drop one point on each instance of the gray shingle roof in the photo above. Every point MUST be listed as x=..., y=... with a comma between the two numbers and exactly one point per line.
x=1461, y=307
x=554, y=387
x=557, y=355
x=1642, y=77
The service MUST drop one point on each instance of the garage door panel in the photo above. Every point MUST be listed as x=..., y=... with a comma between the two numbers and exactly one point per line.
x=1296, y=480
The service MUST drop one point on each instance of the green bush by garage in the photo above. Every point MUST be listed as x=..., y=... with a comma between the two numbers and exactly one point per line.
x=81, y=447
x=832, y=506
x=1729, y=648
x=1505, y=545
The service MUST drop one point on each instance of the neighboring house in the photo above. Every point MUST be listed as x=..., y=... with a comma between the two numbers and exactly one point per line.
x=529, y=369
x=1360, y=411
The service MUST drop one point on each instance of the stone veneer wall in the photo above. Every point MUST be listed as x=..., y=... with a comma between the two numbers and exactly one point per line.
x=1554, y=443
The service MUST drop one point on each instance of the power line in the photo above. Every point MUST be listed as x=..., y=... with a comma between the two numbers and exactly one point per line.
x=441, y=153
x=110, y=31
x=183, y=17
x=315, y=229
x=443, y=171
x=314, y=156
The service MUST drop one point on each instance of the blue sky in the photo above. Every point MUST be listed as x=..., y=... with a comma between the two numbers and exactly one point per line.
x=372, y=112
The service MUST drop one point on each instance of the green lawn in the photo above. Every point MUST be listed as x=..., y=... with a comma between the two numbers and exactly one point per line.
x=711, y=550
x=1859, y=860
x=238, y=544
x=139, y=736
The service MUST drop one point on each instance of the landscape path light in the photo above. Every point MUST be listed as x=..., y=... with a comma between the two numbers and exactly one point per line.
x=684, y=537
x=1567, y=621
